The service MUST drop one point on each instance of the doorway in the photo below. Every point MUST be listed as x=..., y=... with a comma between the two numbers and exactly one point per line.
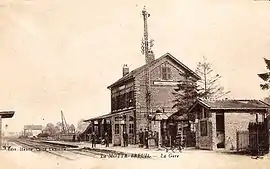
x=123, y=128
x=220, y=128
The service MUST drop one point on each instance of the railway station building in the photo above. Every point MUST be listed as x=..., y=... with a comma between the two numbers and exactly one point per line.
x=128, y=100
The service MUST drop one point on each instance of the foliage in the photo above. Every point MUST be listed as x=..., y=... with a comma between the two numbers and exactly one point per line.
x=209, y=86
x=265, y=76
x=50, y=129
x=54, y=130
x=185, y=95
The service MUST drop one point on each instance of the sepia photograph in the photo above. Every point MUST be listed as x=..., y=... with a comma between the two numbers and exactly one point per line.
x=134, y=84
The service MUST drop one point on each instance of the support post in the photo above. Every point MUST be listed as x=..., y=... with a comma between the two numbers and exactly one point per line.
x=159, y=135
x=1, y=135
x=213, y=131
x=237, y=141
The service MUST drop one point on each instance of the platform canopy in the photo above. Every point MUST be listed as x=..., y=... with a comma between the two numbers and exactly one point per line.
x=7, y=114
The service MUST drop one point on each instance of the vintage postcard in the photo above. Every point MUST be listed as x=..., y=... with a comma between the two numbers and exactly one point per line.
x=134, y=84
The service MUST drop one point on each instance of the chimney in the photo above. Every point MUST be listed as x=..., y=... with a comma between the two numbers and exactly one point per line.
x=125, y=69
x=151, y=56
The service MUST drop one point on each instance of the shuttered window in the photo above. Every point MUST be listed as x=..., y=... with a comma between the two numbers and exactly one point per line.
x=131, y=128
x=166, y=73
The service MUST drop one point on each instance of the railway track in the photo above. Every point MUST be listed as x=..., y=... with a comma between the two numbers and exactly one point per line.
x=62, y=151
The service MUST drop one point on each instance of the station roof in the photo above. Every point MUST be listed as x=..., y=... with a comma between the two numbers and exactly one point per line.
x=7, y=114
x=135, y=72
x=232, y=104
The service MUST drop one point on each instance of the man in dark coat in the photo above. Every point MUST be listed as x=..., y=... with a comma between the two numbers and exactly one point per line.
x=146, y=137
x=125, y=138
x=106, y=139
x=73, y=138
x=156, y=138
x=93, y=139
x=141, y=138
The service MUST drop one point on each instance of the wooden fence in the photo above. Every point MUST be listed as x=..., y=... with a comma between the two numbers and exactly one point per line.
x=255, y=140
x=242, y=141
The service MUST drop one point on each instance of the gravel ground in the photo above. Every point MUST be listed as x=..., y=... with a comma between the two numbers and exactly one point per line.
x=187, y=159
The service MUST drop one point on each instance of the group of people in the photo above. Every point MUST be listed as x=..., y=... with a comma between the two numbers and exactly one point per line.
x=144, y=137
x=94, y=139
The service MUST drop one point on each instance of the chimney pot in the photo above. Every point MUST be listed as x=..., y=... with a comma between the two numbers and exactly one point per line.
x=125, y=70
x=150, y=57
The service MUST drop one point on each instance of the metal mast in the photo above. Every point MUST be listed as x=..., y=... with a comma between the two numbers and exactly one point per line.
x=64, y=123
x=146, y=50
x=147, y=60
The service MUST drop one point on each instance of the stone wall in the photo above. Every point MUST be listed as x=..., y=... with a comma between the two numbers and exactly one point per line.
x=207, y=142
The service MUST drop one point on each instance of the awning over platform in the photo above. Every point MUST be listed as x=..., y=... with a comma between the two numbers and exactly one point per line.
x=108, y=115
x=7, y=114
x=99, y=117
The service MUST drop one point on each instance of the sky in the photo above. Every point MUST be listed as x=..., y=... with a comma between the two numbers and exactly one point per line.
x=62, y=54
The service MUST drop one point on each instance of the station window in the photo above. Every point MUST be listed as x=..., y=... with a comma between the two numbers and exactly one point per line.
x=131, y=128
x=131, y=99
x=166, y=73
x=117, y=129
x=131, y=118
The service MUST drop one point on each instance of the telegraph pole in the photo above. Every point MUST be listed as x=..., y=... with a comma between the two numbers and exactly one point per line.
x=147, y=60
x=146, y=49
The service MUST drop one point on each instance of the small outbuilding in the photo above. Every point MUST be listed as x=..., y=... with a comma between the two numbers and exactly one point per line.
x=4, y=114
x=218, y=121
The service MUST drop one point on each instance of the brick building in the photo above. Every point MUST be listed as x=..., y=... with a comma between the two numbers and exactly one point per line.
x=217, y=122
x=128, y=100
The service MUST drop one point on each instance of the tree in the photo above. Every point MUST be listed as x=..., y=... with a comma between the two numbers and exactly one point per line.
x=71, y=128
x=50, y=129
x=58, y=127
x=185, y=95
x=265, y=76
x=209, y=86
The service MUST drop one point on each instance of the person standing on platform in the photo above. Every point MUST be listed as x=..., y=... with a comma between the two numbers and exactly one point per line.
x=125, y=138
x=156, y=138
x=141, y=138
x=74, y=138
x=146, y=138
x=93, y=138
x=106, y=139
